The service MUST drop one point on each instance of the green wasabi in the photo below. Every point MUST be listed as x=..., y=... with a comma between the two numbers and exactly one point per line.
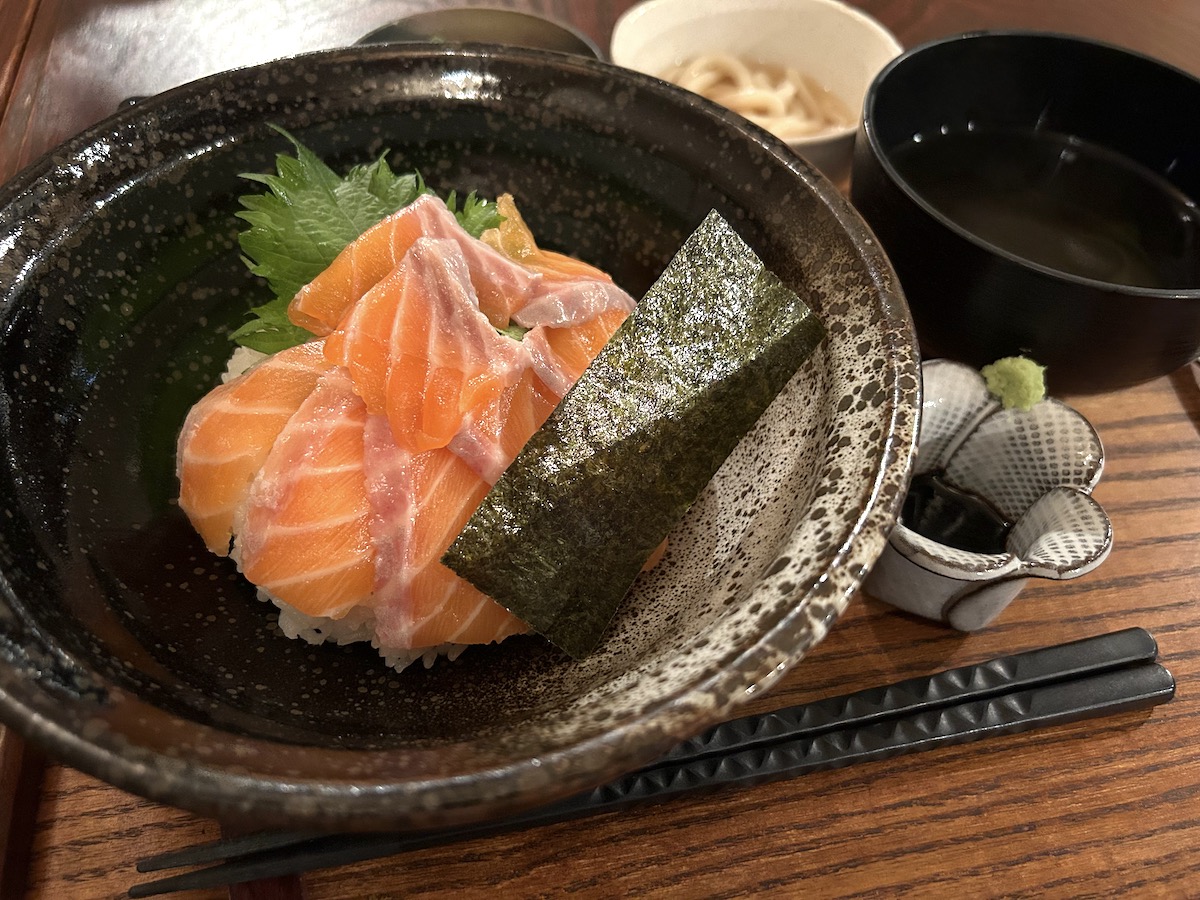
x=1016, y=382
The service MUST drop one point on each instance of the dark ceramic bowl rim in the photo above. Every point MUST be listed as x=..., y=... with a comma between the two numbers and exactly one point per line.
x=205, y=788
x=372, y=36
x=885, y=159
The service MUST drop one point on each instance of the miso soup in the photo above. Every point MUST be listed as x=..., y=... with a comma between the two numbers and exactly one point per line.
x=1059, y=202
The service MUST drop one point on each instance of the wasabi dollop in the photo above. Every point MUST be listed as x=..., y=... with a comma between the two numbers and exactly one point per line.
x=1015, y=381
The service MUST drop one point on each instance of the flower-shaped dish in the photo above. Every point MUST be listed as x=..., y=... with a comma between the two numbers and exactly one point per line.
x=999, y=496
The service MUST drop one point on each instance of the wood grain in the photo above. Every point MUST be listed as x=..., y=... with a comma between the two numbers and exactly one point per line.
x=16, y=20
x=1095, y=809
x=21, y=769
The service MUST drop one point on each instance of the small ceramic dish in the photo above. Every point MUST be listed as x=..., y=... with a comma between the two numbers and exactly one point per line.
x=999, y=496
x=840, y=47
x=507, y=27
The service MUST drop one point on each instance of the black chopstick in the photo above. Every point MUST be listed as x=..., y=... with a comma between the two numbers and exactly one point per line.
x=1096, y=676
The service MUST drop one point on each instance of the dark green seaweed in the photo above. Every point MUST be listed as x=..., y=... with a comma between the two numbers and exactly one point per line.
x=566, y=529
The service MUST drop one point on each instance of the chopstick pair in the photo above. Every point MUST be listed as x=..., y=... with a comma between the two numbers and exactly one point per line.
x=1092, y=677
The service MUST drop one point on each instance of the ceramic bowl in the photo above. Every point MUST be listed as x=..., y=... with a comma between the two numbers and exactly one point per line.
x=841, y=47
x=509, y=27
x=137, y=656
x=954, y=561
x=1034, y=192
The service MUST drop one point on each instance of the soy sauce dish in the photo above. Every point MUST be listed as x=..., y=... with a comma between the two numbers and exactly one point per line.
x=1037, y=196
x=134, y=654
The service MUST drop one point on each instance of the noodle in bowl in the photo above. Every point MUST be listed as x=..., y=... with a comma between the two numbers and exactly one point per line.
x=781, y=99
x=797, y=68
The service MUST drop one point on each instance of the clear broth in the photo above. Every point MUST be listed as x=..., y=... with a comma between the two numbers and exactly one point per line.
x=1059, y=202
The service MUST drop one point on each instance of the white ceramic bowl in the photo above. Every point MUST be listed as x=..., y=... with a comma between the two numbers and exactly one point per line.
x=838, y=45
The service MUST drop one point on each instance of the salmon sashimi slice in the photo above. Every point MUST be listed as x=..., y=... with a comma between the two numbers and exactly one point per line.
x=419, y=350
x=568, y=303
x=229, y=432
x=494, y=433
x=571, y=291
x=447, y=609
x=500, y=285
x=305, y=534
x=514, y=239
x=419, y=503
x=561, y=354
x=320, y=305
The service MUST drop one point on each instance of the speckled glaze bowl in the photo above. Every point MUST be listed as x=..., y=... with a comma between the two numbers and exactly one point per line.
x=135, y=655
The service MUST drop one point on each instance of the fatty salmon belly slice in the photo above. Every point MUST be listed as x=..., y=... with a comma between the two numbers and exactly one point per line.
x=229, y=432
x=561, y=354
x=419, y=350
x=305, y=535
x=322, y=304
x=419, y=504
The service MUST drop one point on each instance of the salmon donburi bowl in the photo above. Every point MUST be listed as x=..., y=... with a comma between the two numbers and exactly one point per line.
x=179, y=618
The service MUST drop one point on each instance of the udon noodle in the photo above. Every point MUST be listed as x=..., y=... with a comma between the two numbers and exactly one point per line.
x=782, y=100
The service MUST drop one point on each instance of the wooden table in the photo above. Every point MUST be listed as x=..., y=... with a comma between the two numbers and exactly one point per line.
x=1097, y=808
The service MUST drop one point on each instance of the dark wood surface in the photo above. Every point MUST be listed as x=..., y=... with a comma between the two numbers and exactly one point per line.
x=1097, y=808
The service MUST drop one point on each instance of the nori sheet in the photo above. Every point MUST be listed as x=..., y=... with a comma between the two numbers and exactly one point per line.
x=566, y=529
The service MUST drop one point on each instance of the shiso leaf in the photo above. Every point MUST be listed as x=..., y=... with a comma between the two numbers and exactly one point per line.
x=564, y=532
x=1017, y=382
x=307, y=215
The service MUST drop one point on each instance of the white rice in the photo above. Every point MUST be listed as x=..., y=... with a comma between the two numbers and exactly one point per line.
x=243, y=360
x=358, y=624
